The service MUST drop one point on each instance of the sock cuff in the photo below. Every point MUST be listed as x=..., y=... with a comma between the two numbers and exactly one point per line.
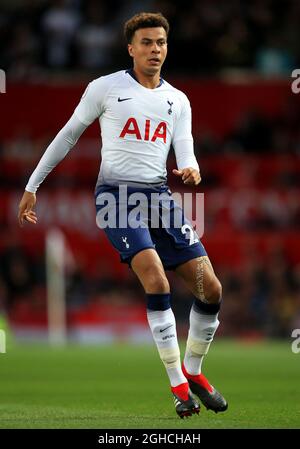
x=206, y=308
x=158, y=301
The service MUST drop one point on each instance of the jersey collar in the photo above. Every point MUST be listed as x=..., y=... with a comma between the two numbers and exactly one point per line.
x=131, y=73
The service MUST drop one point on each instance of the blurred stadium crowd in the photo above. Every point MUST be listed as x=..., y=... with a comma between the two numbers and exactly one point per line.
x=251, y=172
x=87, y=35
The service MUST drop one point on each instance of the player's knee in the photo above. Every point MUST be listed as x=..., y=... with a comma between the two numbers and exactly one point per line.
x=213, y=291
x=157, y=284
x=156, y=281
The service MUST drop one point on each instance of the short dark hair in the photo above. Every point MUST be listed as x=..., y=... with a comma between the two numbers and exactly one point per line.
x=144, y=20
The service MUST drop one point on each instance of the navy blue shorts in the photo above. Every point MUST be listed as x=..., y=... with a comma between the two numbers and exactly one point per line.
x=138, y=218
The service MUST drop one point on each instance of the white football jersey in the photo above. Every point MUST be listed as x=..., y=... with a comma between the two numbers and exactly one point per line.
x=138, y=126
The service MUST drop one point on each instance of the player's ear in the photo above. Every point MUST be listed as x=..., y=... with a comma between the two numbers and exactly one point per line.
x=130, y=51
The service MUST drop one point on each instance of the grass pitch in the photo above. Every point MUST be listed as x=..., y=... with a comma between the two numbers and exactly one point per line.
x=123, y=386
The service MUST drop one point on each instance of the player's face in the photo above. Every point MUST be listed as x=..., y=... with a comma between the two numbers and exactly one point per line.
x=149, y=49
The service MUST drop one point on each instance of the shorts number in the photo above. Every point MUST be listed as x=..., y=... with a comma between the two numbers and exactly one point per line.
x=191, y=233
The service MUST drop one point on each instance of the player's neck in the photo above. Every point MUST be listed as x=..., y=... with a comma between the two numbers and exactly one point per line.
x=148, y=81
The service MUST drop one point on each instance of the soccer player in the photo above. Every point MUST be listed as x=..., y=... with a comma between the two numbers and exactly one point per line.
x=140, y=116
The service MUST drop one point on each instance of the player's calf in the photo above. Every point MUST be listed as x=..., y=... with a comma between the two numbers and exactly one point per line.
x=212, y=291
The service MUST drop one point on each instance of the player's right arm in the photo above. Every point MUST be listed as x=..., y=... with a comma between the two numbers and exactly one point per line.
x=56, y=151
x=85, y=113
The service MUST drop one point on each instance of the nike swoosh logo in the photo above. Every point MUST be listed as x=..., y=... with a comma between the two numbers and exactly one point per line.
x=162, y=330
x=124, y=99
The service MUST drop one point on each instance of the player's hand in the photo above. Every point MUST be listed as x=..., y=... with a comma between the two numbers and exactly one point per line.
x=188, y=175
x=26, y=206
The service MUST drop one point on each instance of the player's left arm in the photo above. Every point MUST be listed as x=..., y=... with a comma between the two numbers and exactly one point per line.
x=187, y=165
